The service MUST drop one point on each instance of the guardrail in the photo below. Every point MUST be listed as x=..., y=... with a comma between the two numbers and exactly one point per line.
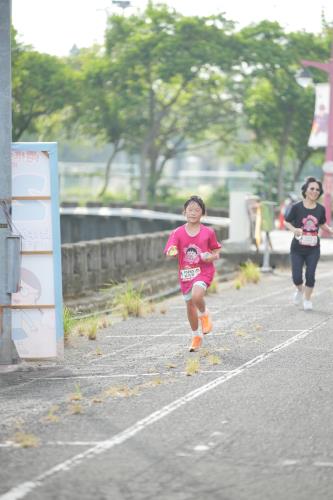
x=89, y=265
x=94, y=223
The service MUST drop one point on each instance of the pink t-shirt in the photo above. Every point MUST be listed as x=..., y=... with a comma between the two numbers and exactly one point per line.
x=191, y=267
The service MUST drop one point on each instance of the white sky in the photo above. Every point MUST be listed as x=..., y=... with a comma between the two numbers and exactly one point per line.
x=54, y=26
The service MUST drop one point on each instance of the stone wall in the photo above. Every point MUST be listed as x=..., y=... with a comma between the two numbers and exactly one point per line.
x=90, y=265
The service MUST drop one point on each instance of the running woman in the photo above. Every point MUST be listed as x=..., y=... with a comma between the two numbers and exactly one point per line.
x=304, y=220
x=196, y=247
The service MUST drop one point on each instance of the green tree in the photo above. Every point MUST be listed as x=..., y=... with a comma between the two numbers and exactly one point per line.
x=169, y=73
x=276, y=108
x=41, y=85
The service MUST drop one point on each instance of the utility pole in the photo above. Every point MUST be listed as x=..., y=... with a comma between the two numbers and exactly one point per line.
x=328, y=165
x=8, y=354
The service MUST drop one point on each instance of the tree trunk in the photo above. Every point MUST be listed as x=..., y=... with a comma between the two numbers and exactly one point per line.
x=300, y=165
x=281, y=156
x=108, y=169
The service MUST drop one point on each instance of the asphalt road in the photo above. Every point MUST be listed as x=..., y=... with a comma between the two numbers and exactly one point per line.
x=254, y=422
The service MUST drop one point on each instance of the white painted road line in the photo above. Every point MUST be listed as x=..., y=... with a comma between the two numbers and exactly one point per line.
x=113, y=353
x=23, y=489
x=132, y=375
x=12, y=444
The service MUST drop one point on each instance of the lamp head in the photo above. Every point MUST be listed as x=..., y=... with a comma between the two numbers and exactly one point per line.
x=304, y=78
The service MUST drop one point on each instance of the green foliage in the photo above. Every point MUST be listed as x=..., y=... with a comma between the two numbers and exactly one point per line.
x=69, y=322
x=130, y=300
x=249, y=273
x=42, y=85
x=276, y=108
x=219, y=198
x=165, y=83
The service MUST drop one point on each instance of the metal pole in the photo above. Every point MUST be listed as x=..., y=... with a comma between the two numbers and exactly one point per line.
x=8, y=353
x=328, y=165
x=328, y=175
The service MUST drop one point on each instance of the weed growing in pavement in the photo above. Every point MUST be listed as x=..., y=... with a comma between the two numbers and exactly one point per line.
x=92, y=327
x=69, y=323
x=51, y=416
x=25, y=440
x=97, y=400
x=249, y=273
x=122, y=391
x=152, y=369
x=204, y=353
x=130, y=301
x=192, y=366
x=104, y=322
x=75, y=409
x=99, y=351
x=238, y=284
x=241, y=333
x=89, y=327
x=213, y=359
x=213, y=287
x=155, y=381
x=77, y=394
x=170, y=365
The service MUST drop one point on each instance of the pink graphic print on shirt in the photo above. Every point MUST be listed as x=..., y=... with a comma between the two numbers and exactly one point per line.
x=310, y=224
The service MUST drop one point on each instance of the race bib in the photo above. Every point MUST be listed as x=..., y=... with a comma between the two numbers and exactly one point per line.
x=308, y=240
x=189, y=274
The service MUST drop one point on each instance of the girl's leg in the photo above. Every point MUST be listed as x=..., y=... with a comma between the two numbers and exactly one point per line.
x=311, y=262
x=297, y=262
x=198, y=297
x=192, y=315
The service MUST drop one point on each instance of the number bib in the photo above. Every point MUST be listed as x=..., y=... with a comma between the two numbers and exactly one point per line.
x=189, y=274
x=308, y=240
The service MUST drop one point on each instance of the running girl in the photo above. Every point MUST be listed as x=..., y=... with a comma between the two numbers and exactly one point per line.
x=196, y=247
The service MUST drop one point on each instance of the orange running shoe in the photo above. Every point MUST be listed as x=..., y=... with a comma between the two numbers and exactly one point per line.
x=206, y=323
x=196, y=343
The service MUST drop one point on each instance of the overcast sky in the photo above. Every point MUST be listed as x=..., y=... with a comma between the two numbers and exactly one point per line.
x=55, y=26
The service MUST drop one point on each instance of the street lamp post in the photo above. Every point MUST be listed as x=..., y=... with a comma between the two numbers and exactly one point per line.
x=8, y=354
x=328, y=165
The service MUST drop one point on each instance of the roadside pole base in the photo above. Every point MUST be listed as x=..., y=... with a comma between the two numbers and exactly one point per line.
x=266, y=269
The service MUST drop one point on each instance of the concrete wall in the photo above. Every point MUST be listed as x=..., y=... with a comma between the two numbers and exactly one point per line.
x=76, y=228
x=88, y=265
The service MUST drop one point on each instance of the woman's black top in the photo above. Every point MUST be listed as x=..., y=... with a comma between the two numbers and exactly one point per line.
x=309, y=220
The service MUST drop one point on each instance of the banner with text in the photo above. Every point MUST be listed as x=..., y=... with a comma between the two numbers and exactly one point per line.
x=319, y=130
x=37, y=321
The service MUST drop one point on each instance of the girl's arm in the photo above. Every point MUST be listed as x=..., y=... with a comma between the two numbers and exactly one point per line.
x=296, y=230
x=172, y=252
x=326, y=227
x=212, y=255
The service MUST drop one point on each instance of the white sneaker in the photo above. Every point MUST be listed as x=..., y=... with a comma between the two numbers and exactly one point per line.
x=307, y=305
x=297, y=298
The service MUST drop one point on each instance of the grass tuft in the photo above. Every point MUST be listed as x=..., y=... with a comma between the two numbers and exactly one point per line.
x=92, y=328
x=249, y=273
x=213, y=287
x=77, y=394
x=192, y=366
x=75, y=409
x=25, y=440
x=213, y=359
x=130, y=301
x=51, y=416
x=69, y=323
